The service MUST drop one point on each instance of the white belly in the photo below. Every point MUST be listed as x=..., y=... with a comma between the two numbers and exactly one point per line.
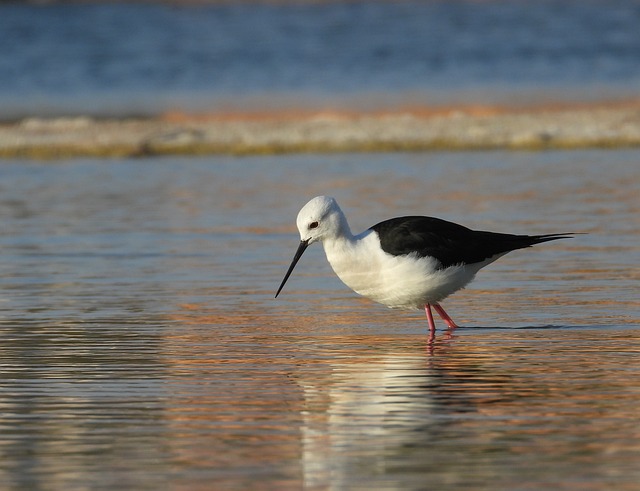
x=407, y=282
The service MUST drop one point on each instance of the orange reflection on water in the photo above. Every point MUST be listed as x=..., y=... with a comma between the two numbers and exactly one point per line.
x=260, y=392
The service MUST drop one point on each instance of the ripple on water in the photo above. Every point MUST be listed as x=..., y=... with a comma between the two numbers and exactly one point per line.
x=142, y=347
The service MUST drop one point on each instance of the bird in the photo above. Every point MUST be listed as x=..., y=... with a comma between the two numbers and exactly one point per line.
x=408, y=262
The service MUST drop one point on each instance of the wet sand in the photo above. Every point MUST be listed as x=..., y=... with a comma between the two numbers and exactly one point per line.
x=420, y=128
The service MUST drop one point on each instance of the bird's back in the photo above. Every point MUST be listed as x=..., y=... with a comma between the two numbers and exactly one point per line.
x=449, y=243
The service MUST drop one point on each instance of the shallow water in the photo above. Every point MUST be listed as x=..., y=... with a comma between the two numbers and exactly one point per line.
x=142, y=347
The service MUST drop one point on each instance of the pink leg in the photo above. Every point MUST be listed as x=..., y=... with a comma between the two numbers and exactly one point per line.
x=445, y=317
x=432, y=324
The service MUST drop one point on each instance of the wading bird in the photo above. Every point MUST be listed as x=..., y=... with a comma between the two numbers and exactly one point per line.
x=411, y=262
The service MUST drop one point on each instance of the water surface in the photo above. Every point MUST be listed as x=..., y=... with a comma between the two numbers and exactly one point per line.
x=142, y=347
x=122, y=58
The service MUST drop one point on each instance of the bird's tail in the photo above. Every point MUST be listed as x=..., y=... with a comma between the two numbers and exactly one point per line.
x=539, y=239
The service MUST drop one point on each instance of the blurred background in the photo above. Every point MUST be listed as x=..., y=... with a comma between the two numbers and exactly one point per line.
x=145, y=58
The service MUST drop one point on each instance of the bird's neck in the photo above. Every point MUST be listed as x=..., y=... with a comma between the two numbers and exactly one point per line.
x=342, y=229
x=341, y=241
x=353, y=260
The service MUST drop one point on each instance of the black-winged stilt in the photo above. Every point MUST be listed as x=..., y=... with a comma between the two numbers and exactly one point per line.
x=405, y=262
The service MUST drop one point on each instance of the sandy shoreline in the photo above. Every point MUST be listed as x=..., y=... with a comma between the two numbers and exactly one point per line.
x=604, y=125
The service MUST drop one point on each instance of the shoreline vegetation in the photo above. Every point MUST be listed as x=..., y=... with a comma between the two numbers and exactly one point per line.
x=420, y=128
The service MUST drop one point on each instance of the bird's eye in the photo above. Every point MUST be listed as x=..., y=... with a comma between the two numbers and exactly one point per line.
x=313, y=225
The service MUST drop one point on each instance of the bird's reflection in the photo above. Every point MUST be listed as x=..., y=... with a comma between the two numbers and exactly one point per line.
x=379, y=403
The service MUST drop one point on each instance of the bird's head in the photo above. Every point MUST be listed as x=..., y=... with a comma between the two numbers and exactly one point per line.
x=320, y=219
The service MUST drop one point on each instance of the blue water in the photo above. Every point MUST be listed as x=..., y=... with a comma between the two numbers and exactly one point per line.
x=127, y=58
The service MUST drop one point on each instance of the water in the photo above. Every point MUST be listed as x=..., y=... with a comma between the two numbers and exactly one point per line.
x=119, y=58
x=141, y=346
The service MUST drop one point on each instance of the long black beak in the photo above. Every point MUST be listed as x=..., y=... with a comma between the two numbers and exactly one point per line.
x=301, y=248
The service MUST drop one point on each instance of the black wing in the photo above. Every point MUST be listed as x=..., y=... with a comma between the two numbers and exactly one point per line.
x=449, y=242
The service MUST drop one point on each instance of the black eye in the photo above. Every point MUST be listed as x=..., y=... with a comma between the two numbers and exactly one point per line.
x=313, y=225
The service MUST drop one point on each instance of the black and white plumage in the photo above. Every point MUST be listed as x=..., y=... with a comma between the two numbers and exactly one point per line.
x=405, y=262
x=448, y=242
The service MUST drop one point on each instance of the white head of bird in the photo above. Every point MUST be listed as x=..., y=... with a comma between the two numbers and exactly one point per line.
x=321, y=218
